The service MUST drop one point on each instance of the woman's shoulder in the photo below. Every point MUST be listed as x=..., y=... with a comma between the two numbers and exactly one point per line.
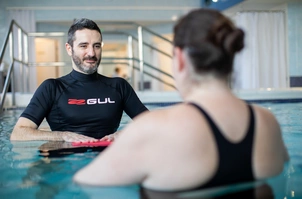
x=177, y=118
x=161, y=117
x=269, y=149
x=265, y=117
x=172, y=112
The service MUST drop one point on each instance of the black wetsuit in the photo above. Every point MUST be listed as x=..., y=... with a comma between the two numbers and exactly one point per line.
x=235, y=160
x=88, y=104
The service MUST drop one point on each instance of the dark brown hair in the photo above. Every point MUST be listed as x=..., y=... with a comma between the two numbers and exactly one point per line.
x=211, y=40
x=80, y=24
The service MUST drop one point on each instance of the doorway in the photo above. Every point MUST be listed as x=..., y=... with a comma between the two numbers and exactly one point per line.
x=46, y=51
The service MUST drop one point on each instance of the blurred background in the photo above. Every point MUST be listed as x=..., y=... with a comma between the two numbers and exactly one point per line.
x=137, y=36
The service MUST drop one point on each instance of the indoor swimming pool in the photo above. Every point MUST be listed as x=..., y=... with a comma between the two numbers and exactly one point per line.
x=25, y=174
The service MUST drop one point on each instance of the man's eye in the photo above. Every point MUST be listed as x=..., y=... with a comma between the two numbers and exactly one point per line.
x=82, y=46
x=97, y=46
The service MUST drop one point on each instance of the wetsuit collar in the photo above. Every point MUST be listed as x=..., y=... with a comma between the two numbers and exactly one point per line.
x=83, y=77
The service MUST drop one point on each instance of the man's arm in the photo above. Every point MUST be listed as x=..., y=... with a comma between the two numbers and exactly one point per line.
x=26, y=130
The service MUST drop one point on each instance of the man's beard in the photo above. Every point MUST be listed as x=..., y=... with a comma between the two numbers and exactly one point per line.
x=86, y=69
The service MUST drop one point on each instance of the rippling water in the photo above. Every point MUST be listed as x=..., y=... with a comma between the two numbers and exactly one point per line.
x=25, y=174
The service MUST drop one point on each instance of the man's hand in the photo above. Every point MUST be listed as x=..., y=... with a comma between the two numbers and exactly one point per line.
x=110, y=137
x=26, y=130
x=74, y=137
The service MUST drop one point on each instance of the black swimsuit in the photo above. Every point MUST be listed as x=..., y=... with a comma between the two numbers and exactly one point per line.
x=235, y=159
x=88, y=104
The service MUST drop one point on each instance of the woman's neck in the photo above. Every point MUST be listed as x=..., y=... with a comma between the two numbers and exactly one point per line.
x=204, y=88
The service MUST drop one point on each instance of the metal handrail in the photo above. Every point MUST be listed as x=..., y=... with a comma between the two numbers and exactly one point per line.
x=9, y=77
x=146, y=73
x=137, y=60
x=137, y=25
x=141, y=45
x=60, y=64
x=144, y=43
x=10, y=30
x=158, y=35
x=6, y=85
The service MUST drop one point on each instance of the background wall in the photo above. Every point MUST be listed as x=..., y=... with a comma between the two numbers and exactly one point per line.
x=158, y=15
x=155, y=12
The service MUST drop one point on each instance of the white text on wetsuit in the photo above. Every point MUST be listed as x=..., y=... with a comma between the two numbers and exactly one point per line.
x=98, y=101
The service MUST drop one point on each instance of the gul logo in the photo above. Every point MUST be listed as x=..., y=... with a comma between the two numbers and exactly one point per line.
x=90, y=101
x=76, y=101
x=98, y=101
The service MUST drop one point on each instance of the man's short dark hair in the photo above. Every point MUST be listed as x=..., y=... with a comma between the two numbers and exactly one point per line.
x=80, y=24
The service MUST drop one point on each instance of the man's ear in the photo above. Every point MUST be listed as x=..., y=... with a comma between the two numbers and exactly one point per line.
x=68, y=49
x=180, y=57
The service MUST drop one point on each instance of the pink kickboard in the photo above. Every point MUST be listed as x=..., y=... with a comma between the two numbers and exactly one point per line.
x=97, y=143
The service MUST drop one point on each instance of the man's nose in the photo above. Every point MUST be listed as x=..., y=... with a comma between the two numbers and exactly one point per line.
x=91, y=51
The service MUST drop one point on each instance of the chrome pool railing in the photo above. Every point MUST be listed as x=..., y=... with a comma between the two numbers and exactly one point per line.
x=21, y=58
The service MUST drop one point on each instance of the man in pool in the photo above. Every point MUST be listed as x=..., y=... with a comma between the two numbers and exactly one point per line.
x=83, y=105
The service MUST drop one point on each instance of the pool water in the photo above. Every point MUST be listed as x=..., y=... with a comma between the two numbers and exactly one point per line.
x=25, y=174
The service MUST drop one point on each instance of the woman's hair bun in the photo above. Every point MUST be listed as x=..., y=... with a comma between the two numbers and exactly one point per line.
x=234, y=41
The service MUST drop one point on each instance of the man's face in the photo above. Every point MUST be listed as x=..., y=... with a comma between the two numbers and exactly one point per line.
x=86, y=52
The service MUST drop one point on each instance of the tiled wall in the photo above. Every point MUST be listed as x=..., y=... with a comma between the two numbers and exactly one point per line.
x=295, y=43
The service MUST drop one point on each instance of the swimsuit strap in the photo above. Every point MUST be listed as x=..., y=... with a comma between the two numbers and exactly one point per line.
x=235, y=159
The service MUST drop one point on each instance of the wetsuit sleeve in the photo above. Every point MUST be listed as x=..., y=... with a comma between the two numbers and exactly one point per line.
x=41, y=102
x=132, y=104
